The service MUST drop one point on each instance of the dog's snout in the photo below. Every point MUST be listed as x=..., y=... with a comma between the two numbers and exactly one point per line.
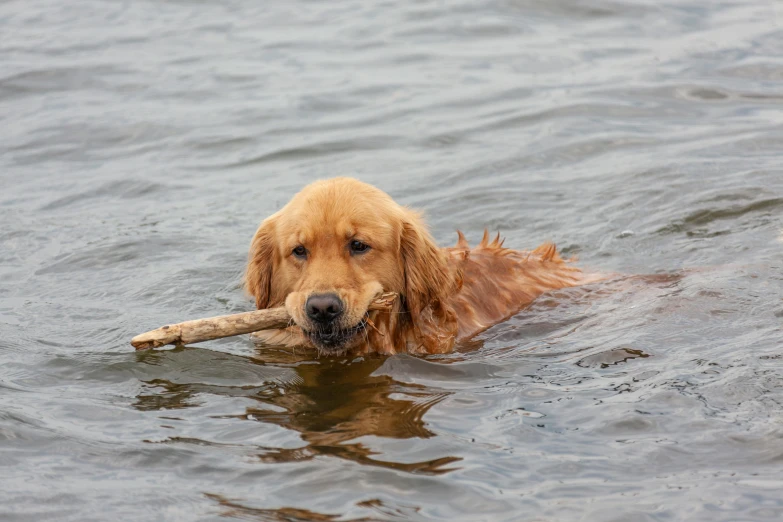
x=324, y=308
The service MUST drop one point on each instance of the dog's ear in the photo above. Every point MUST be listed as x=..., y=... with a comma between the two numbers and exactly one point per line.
x=429, y=282
x=260, y=262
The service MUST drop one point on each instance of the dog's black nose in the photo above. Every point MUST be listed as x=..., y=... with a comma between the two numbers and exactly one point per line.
x=323, y=308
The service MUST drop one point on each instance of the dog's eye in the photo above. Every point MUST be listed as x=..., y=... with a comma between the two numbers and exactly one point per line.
x=300, y=252
x=357, y=247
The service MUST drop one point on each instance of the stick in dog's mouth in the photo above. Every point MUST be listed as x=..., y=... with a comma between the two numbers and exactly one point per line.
x=210, y=328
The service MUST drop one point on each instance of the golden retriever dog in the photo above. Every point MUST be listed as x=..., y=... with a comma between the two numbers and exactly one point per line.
x=339, y=243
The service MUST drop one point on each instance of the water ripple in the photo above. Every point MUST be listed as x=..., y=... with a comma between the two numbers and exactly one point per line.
x=143, y=142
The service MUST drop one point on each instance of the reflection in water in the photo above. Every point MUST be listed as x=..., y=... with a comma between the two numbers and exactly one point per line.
x=611, y=358
x=331, y=403
x=234, y=509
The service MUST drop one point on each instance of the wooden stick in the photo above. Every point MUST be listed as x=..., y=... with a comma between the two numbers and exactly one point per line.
x=210, y=328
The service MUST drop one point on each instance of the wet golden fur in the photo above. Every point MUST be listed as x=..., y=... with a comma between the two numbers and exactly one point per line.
x=447, y=294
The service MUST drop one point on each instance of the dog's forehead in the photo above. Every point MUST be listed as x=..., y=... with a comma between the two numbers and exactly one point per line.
x=311, y=226
x=338, y=211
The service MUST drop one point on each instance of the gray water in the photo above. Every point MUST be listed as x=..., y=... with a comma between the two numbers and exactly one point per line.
x=142, y=142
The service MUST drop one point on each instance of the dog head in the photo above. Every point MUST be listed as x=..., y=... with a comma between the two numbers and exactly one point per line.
x=337, y=245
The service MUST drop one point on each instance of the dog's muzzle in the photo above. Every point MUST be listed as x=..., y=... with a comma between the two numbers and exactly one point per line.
x=325, y=312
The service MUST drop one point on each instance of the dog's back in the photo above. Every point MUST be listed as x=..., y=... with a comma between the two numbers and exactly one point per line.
x=498, y=282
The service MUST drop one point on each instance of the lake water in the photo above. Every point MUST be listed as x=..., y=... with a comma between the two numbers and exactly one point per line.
x=142, y=142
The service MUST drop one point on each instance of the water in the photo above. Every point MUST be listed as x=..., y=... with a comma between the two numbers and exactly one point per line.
x=142, y=142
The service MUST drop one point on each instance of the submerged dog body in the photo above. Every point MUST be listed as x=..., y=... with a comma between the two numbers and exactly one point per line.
x=339, y=243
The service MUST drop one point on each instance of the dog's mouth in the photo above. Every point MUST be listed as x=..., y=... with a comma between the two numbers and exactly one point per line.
x=332, y=339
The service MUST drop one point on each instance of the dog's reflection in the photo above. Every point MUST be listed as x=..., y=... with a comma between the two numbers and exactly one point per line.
x=330, y=402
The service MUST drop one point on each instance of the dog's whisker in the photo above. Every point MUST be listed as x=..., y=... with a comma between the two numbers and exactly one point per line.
x=366, y=335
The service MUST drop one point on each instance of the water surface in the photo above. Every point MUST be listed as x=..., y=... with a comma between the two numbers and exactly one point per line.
x=142, y=142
